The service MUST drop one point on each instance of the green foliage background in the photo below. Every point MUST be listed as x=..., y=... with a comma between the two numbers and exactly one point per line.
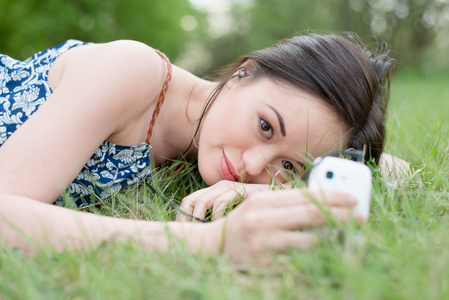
x=404, y=254
x=416, y=29
x=28, y=26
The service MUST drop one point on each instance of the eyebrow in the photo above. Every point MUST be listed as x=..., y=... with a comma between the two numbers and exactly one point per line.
x=284, y=133
x=281, y=120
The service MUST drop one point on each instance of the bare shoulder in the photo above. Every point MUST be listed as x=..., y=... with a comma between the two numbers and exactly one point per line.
x=126, y=50
x=103, y=90
x=120, y=79
x=116, y=60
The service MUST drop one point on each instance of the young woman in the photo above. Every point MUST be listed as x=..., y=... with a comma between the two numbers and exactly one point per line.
x=79, y=119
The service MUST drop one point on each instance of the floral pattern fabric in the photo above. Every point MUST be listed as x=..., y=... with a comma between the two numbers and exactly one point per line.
x=24, y=87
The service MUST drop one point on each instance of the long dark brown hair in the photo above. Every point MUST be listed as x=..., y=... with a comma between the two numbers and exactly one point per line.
x=342, y=72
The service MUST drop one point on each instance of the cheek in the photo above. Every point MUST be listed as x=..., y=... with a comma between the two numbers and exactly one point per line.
x=209, y=165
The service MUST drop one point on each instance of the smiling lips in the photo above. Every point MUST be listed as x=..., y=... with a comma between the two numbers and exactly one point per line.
x=228, y=169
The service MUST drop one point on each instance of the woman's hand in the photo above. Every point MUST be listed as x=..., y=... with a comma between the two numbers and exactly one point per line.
x=218, y=197
x=270, y=221
x=392, y=167
x=265, y=222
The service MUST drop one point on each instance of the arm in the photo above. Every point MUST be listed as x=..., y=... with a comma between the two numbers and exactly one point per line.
x=29, y=225
x=103, y=91
x=264, y=222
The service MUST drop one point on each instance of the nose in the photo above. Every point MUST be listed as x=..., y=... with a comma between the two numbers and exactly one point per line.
x=256, y=161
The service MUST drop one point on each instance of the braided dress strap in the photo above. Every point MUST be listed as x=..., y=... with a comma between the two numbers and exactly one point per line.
x=162, y=94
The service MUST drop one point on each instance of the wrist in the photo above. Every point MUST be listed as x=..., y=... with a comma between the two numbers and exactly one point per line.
x=198, y=236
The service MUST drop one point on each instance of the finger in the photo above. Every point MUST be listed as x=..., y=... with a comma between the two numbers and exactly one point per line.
x=221, y=204
x=299, y=217
x=313, y=216
x=207, y=198
x=186, y=203
x=187, y=206
x=217, y=189
x=184, y=217
x=293, y=197
x=219, y=208
x=331, y=197
x=196, y=195
x=327, y=197
x=200, y=209
x=181, y=218
x=282, y=241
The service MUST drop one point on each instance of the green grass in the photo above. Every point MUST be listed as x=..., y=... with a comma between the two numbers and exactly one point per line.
x=404, y=253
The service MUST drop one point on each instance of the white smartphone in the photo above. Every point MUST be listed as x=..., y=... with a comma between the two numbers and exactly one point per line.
x=339, y=174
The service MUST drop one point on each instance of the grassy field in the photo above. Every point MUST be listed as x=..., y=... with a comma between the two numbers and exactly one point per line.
x=404, y=253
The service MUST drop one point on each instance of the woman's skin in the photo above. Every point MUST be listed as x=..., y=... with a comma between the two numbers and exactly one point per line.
x=263, y=223
x=257, y=129
x=233, y=142
x=108, y=92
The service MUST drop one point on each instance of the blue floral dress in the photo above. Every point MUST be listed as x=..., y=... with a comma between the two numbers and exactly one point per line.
x=24, y=87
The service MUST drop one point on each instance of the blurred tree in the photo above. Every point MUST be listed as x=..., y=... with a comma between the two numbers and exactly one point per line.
x=27, y=26
x=203, y=39
x=261, y=23
x=416, y=29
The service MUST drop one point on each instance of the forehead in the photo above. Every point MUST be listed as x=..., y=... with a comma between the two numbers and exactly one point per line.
x=311, y=124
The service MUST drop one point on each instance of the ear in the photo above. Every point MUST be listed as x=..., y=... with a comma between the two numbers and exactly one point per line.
x=245, y=70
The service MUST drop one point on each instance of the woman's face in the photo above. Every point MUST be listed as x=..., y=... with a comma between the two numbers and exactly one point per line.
x=255, y=131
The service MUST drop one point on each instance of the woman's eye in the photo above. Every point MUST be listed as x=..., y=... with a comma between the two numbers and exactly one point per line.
x=288, y=166
x=266, y=128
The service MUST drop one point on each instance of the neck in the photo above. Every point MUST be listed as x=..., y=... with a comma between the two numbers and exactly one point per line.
x=196, y=109
x=180, y=115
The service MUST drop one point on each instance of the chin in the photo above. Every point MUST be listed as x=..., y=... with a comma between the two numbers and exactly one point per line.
x=207, y=177
x=210, y=182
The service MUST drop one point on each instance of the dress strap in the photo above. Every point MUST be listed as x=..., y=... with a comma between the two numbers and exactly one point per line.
x=162, y=94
